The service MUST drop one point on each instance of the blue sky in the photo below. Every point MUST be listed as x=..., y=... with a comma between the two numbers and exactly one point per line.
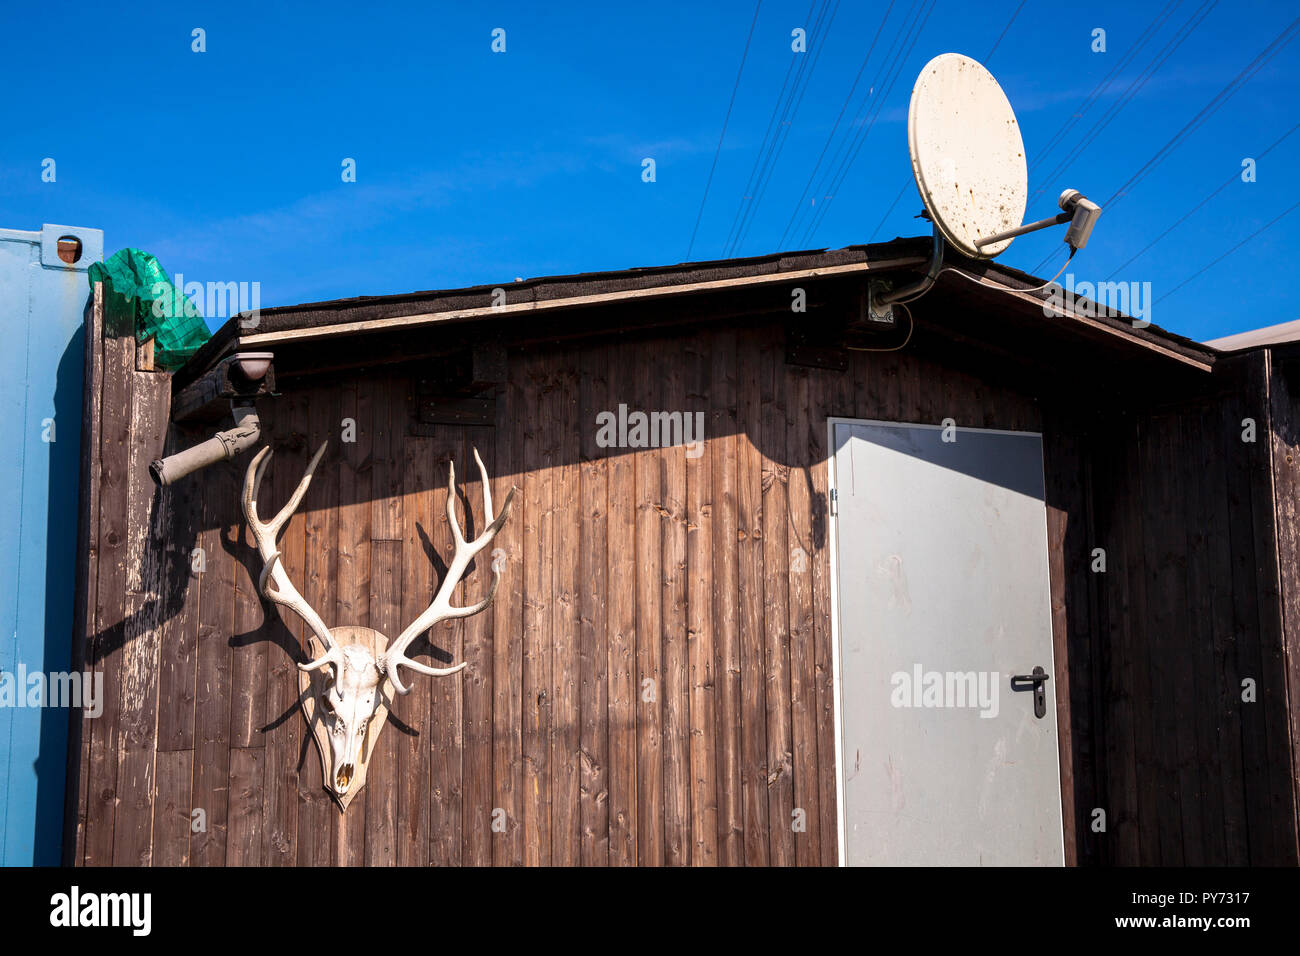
x=477, y=167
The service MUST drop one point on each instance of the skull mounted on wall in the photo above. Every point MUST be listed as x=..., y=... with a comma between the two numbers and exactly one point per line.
x=348, y=686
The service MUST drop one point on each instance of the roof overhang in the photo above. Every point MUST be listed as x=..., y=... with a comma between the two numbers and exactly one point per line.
x=721, y=288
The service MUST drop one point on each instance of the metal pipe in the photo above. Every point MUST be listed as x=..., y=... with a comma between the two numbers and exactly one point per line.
x=922, y=287
x=222, y=446
x=1028, y=227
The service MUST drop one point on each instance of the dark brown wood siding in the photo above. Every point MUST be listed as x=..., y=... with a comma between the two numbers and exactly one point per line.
x=1179, y=677
x=654, y=682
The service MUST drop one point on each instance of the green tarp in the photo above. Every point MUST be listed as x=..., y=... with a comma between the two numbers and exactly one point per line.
x=162, y=313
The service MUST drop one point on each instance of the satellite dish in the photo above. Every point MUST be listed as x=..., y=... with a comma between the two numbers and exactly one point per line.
x=967, y=154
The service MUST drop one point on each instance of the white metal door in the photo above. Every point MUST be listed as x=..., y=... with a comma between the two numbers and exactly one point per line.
x=943, y=598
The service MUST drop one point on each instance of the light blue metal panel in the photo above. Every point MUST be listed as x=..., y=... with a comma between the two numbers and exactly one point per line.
x=943, y=597
x=42, y=300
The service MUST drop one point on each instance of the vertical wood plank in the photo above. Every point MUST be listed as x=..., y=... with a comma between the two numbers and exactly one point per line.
x=1285, y=439
x=1057, y=523
x=177, y=662
x=476, y=683
x=420, y=581
x=507, y=627
x=820, y=401
x=562, y=409
x=285, y=729
x=725, y=444
x=353, y=595
x=538, y=529
x=703, y=679
x=256, y=625
x=222, y=522
x=753, y=677
x=676, y=687
x=649, y=624
x=388, y=410
x=317, y=810
x=110, y=590
x=1282, y=783
x=148, y=530
x=593, y=632
x=622, y=622
x=1137, y=456
x=1177, y=646
x=171, y=822
x=1117, y=586
x=381, y=822
x=1224, y=685
x=1245, y=623
x=776, y=601
x=800, y=444
x=446, y=716
x=244, y=826
x=1086, y=627
x=1209, y=847
x=256, y=629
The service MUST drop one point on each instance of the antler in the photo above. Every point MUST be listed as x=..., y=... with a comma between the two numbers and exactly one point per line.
x=273, y=572
x=441, y=609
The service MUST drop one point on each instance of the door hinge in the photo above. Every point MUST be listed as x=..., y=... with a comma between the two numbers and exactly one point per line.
x=835, y=502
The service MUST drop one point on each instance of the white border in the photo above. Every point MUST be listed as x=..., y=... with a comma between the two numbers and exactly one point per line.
x=832, y=516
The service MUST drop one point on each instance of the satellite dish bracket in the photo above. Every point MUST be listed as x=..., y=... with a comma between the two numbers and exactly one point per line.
x=1079, y=212
x=1027, y=227
x=879, y=303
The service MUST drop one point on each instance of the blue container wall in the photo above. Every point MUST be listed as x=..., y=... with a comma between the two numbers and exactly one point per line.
x=42, y=302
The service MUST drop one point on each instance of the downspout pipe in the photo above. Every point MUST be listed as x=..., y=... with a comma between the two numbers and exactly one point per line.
x=222, y=446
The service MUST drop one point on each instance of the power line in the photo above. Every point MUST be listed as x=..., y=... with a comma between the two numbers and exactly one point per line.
x=1231, y=179
x=901, y=59
x=785, y=134
x=1130, y=92
x=902, y=189
x=783, y=130
x=1152, y=28
x=1225, y=94
x=1210, y=108
x=998, y=41
x=881, y=73
x=864, y=115
x=722, y=135
x=1292, y=208
x=987, y=57
x=835, y=128
x=771, y=121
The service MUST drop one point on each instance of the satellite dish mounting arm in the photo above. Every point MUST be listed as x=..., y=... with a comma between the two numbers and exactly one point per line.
x=917, y=289
x=1080, y=212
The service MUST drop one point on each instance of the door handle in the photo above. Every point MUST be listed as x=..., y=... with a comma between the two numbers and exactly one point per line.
x=1038, y=678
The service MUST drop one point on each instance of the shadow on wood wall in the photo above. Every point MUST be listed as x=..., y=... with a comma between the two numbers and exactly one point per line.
x=707, y=576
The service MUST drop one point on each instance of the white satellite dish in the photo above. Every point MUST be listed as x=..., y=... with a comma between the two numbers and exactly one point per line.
x=969, y=163
x=967, y=154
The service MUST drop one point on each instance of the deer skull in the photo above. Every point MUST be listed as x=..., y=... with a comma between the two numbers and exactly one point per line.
x=348, y=697
x=348, y=687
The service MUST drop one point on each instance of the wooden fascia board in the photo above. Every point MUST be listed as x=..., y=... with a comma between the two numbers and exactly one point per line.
x=263, y=340
x=267, y=339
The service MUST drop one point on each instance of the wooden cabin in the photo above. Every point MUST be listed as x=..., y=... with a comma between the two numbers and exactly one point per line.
x=688, y=659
